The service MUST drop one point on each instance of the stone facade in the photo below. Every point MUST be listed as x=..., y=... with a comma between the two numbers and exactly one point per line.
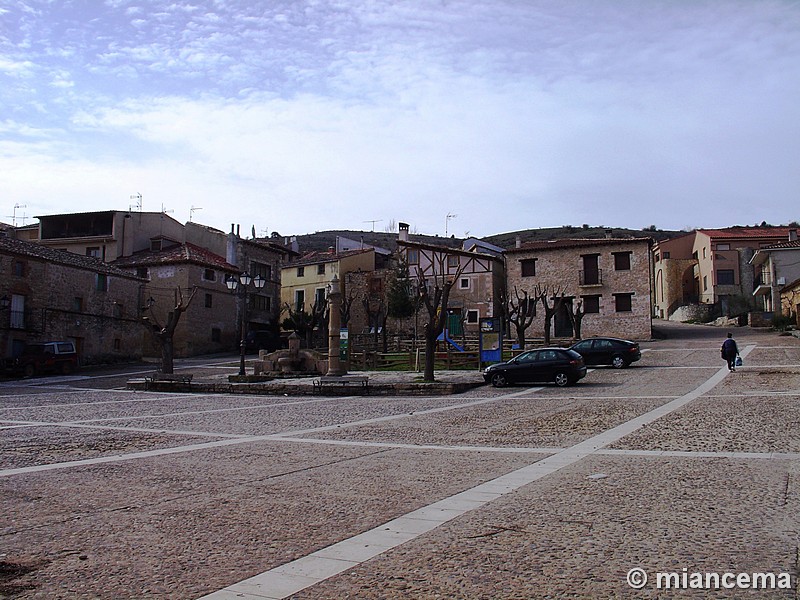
x=612, y=277
x=54, y=295
x=210, y=323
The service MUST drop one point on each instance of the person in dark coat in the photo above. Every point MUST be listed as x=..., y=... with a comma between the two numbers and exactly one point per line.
x=729, y=352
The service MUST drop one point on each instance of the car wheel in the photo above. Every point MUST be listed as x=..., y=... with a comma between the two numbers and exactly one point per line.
x=561, y=379
x=618, y=362
x=499, y=380
x=29, y=371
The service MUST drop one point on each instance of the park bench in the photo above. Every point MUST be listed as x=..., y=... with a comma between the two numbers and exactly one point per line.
x=340, y=382
x=159, y=377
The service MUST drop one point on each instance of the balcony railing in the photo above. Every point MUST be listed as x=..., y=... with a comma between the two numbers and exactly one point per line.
x=586, y=278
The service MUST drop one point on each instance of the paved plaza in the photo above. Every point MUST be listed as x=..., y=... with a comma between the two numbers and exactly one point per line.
x=650, y=482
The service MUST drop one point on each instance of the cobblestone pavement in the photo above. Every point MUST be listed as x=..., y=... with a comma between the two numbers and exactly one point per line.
x=673, y=465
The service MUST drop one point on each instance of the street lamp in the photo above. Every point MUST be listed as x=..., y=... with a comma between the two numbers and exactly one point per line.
x=240, y=287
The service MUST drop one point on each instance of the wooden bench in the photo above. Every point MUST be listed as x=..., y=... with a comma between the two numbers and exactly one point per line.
x=168, y=378
x=341, y=382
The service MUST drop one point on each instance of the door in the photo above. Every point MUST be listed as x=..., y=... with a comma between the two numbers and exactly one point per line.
x=563, y=322
x=591, y=269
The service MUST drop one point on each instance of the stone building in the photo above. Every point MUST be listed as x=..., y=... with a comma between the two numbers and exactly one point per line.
x=210, y=323
x=610, y=276
x=51, y=295
x=714, y=271
x=775, y=267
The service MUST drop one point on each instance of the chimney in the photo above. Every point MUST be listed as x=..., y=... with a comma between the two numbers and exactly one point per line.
x=609, y=233
x=403, y=235
x=518, y=242
x=793, y=235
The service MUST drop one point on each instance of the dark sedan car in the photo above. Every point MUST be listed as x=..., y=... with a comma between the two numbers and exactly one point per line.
x=608, y=351
x=561, y=366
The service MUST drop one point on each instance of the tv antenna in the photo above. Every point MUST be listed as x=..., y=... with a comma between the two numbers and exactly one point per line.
x=192, y=210
x=447, y=222
x=138, y=197
x=165, y=211
x=14, y=214
x=373, y=221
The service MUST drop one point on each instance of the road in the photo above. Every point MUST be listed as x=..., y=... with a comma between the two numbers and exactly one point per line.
x=674, y=466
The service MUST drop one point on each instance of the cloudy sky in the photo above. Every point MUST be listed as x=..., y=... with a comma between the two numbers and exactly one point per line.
x=305, y=115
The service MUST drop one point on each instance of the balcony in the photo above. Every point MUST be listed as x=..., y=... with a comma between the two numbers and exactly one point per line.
x=590, y=278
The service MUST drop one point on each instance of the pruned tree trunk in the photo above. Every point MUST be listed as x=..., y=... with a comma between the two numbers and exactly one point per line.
x=164, y=334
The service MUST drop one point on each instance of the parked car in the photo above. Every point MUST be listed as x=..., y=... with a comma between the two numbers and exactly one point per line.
x=47, y=357
x=608, y=351
x=561, y=366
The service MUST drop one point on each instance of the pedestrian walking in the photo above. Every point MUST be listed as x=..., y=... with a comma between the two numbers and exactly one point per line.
x=729, y=352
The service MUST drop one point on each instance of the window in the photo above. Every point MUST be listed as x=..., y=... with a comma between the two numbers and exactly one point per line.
x=319, y=297
x=472, y=315
x=528, y=267
x=155, y=245
x=452, y=262
x=17, y=317
x=413, y=257
x=463, y=283
x=704, y=251
x=725, y=277
x=694, y=255
x=93, y=251
x=723, y=246
x=301, y=271
x=265, y=271
x=117, y=344
x=657, y=257
x=101, y=284
x=209, y=275
x=209, y=301
x=19, y=268
x=77, y=304
x=299, y=300
x=666, y=255
x=622, y=261
x=116, y=310
x=216, y=334
x=705, y=283
x=591, y=270
x=142, y=272
x=376, y=286
x=321, y=269
x=260, y=302
x=591, y=304
x=623, y=302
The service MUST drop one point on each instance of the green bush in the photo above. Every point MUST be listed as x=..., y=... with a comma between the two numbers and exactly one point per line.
x=781, y=322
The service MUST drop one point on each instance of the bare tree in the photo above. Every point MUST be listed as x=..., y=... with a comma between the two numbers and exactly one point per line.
x=558, y=297
x=165, y=333
x=435, y=301
x=576, y=316
x=375, y=307
x=521, y=309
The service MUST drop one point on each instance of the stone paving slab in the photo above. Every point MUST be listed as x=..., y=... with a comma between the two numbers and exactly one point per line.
x=183, y=525
x=574, y=536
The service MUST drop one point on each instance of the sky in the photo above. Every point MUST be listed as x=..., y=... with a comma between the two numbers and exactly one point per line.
x=459, y=117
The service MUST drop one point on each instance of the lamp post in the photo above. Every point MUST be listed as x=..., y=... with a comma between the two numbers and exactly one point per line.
x=240, y=287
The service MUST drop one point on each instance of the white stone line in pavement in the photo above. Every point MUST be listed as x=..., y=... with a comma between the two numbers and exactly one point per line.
x=399, y=446
x=230, y=442
x=292, y=577
x=702, y=454
x=124, y=429
x=125, y=457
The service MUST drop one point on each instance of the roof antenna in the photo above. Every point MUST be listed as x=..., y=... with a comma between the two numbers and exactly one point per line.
x=138, y=197
x=192, y=210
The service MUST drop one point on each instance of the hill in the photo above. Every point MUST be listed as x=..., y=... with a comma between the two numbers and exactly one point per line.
x=323, y=240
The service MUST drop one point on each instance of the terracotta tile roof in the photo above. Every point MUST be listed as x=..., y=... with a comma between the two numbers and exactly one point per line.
x=577, y=243
x=59, y=257
x=315, y=257
x=784, y=245
x=747, y=232
x=183, y=253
